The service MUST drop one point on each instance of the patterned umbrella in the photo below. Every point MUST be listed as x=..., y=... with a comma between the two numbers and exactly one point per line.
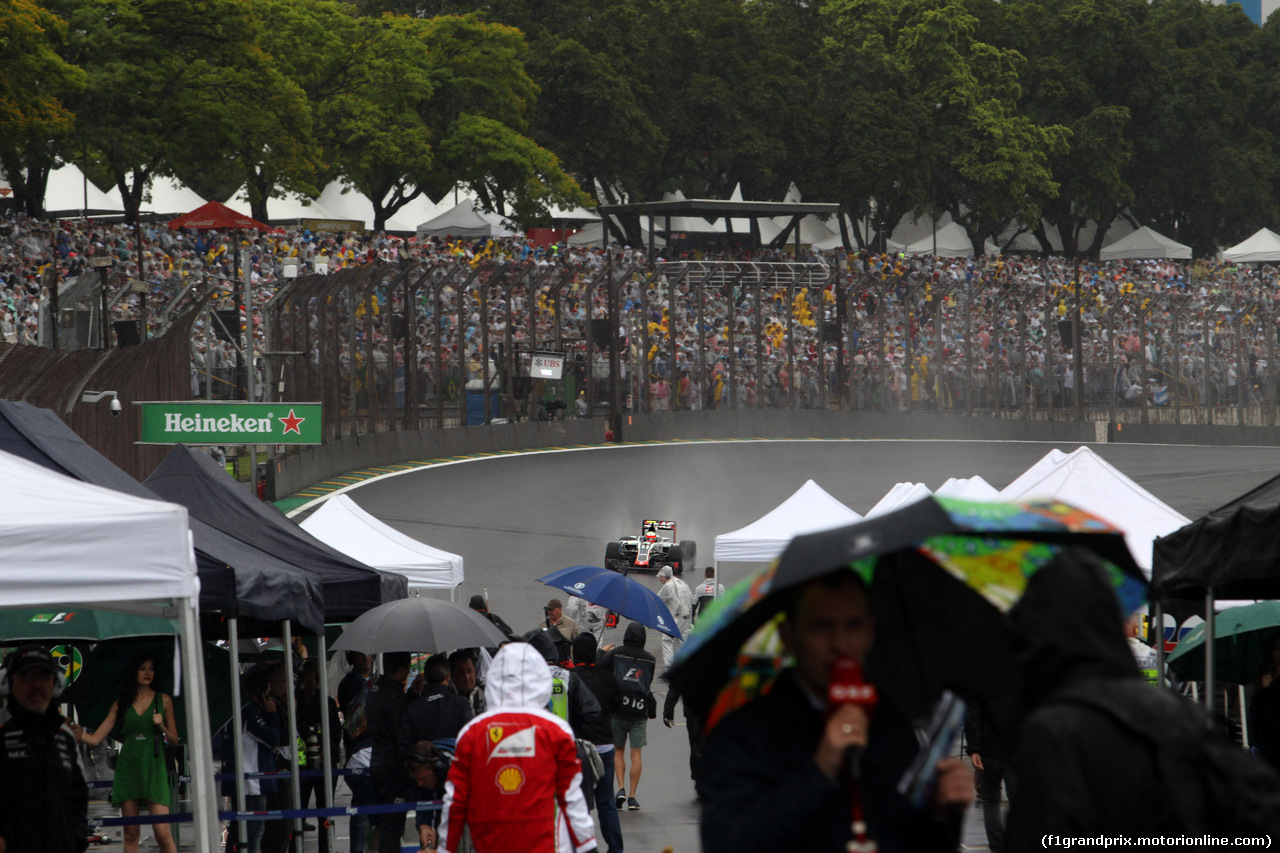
x=942, y=573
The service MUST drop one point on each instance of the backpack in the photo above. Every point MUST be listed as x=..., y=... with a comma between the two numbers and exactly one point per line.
x=634, y=677
x=1216, y=786
x=355, y=720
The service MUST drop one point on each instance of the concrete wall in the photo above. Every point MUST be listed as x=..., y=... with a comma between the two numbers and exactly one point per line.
x=321, y=463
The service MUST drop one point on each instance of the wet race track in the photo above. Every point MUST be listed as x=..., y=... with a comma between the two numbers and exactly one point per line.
x=515, y=518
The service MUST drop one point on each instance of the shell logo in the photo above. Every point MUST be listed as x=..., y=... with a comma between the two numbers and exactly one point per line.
x=510, y=779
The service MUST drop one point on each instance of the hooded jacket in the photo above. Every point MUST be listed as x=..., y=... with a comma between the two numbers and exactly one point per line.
x=634, y=668
x=1080, y=771
x=516, y=779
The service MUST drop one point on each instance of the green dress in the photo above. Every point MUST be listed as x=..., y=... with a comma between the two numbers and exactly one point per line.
x=140, y=773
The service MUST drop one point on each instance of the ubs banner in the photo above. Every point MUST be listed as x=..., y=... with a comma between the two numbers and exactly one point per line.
x=200, y=422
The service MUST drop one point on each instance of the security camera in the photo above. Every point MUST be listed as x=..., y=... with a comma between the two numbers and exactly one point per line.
x=116, y=408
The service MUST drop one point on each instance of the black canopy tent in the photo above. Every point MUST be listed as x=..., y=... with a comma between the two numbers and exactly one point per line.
x=714, y=208
x=1232, y=552
x=197, y=482
x=235, y=578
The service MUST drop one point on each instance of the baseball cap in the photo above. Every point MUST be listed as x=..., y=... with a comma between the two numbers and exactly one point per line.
x=31, y=656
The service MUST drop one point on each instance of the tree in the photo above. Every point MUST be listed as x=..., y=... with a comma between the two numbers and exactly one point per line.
x=35, y=83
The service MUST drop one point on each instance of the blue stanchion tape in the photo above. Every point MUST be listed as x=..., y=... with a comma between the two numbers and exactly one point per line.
x=274, y=814
x=275, y=774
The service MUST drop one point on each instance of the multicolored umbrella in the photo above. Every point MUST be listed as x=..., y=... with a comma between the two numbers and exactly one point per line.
x=942, y=573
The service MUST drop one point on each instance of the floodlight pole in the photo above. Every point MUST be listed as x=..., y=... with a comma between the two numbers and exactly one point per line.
x=249, y=363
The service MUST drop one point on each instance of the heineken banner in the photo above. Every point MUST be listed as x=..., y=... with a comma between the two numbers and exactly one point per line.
x=200, y=422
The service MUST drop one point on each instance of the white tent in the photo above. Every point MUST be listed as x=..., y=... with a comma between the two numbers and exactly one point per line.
x=683, y=223
x=592, y=235
x=68, y=189
x=950, y=241
x=464, y=220
x=1264, y=246
x=1144, y=244
x=1085, y=480
x=347, y=203
x=171, y=196
x=342, y=524
x=969, y=489
x=809, y=510
x=419, y=209
x=66, y=543
x=284, y=208
x=899, y=496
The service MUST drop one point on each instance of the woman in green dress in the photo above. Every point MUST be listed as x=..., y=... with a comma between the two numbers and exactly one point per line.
x=143, y=720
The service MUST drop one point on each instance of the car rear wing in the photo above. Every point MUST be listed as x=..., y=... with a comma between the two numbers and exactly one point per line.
x=668, y=527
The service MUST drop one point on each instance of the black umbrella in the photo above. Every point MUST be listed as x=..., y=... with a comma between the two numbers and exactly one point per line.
x=418, y=624
x=941, y=571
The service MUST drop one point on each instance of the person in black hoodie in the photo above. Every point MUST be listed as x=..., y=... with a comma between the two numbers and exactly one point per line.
x=1094, y=747
x=437, y=712
x=604, y=685
x=634, y=668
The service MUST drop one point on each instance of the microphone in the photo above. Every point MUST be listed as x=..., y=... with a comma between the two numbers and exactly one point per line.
x=847, y=687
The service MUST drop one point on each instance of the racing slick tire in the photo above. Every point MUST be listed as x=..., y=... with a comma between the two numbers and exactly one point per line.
x=688, y=555
x=613, y=555
x=674, y=559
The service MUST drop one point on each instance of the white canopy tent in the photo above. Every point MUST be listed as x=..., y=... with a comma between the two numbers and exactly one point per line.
x=347, y=203
x=809, y=510
x=1262, y=247
x=67, y=543
x=899, y=496
x=593, y=235
x=464, y=220
x=1085, y=480
x=68, y=189
x=1144, y=244
x=950, y=241
x=405, y=220
x=342, y=524
x=169, y=196
x=969, y=489
x=284, y=208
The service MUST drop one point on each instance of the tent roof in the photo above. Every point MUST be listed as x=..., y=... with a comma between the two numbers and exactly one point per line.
x=341, y=523
x=68, y=542
x=809, y=510
x=899, y=496
x=464, y=220
x=1234, y=549
x=68, y=190
x=346, y=203
x=170, y=196
x=1263, y=246
x=1087, y=481
x=951, y=239
x=969, y=489
x=200, y=484
x=1144, y=244
x=419, y=209
x=234, y=577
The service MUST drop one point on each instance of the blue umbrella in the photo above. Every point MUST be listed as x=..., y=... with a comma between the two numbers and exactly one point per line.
x=618, y=593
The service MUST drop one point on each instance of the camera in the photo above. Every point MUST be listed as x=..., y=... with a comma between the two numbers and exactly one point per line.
x=116, y=408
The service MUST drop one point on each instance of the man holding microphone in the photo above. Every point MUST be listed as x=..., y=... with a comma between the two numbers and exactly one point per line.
x=815, y=764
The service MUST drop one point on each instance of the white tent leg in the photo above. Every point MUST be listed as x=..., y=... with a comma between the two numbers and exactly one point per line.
x=204, y=805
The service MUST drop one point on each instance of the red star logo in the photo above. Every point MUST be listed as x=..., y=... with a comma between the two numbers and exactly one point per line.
x=292, y=423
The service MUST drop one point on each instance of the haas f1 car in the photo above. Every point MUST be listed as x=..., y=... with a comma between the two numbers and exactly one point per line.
x=654, y=548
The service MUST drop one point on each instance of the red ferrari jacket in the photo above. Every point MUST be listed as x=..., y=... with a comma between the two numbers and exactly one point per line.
x=515, y=779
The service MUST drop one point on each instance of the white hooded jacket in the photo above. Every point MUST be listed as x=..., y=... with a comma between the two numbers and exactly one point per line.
x=516, y=780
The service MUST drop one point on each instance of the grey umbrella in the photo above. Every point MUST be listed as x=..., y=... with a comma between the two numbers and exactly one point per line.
x=418, y=624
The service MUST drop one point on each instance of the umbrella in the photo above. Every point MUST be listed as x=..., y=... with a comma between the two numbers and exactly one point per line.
x=618, y=593
x=217, y=216
x=77, y=625
x=418, y=624
x=942, y=572
x=1243, y=637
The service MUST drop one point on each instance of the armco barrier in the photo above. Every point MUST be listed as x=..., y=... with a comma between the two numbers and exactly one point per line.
x=353, y=452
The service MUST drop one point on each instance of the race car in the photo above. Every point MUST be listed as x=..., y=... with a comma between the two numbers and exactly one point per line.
x=654, y=548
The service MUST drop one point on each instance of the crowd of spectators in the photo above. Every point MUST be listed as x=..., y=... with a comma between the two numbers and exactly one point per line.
x=858, y=329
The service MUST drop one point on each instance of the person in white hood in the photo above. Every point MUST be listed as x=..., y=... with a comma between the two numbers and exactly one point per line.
x=516, y=779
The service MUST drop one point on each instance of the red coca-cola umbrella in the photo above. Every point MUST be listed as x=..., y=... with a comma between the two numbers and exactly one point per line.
x=217, y=216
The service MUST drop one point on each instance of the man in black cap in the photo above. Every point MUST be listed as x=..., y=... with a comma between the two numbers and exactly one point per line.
x=43, y=794
x=479, y=605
